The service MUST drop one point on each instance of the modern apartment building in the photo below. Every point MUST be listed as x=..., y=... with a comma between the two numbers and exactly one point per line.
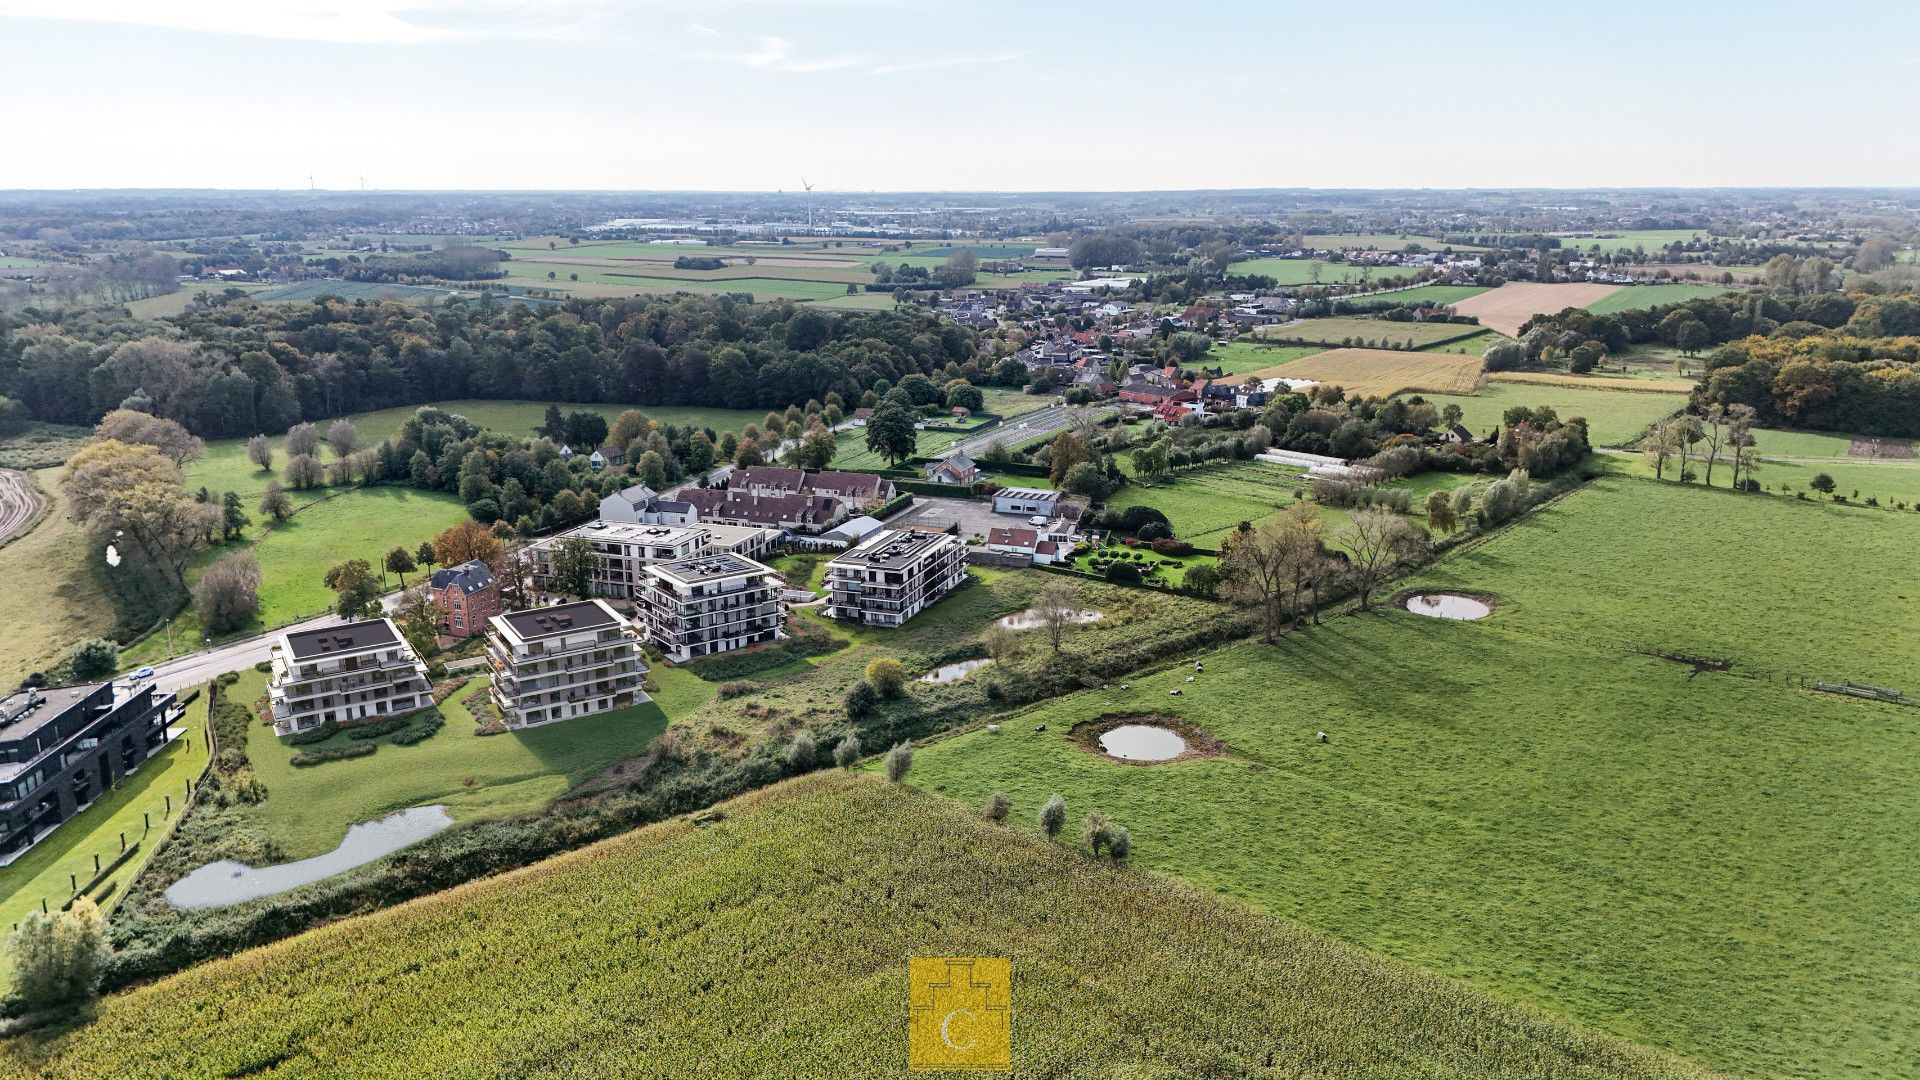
x=623, y=549
x=890, y=576
x=556, y=663
x=64, y=747
x=359, y=671
x=711, y=604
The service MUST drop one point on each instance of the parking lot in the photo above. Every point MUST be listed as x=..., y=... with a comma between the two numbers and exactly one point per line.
x=974, y=517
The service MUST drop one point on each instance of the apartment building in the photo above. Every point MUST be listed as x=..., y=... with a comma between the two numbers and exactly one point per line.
x=62, y=748
x=359, y=671
x=623, y=549
x=556, y=663
x=710, y=605
x=890, y=576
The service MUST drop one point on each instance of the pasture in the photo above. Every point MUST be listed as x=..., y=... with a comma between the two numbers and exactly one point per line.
x=1316, y=271
x=1384, y=372
x=771, y=939
x=1235, y=358
x=1543, y=805
x=176, y=302
x=1362, y=332
x=301, y=291
x=1394, y=242
x=1640, y=297
x=1204, y=502
x=1434, y=294
x=1508, y=307
x=1648, y=240
x=1777, y=442
x=54, y=596
x=1614, y=417
x=1888, y=483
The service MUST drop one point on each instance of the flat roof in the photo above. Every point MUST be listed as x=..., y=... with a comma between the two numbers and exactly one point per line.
x=333, y=640
x=724, y=564
x=629, y=532
x=565, y=619
x=20, y=716
x=890, y=549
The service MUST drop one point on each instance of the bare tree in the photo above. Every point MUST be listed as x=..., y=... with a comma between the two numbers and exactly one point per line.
x=1255, y=572
x=343, y=438
x=1055, y=609
x=1713, y=435
x=260, y=451
x=1378, y=542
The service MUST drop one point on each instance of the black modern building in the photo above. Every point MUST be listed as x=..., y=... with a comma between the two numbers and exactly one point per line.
x=64, y=747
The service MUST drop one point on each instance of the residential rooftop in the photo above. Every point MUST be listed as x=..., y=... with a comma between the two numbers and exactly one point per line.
x=708, y=568
x=334, y=640
x=565, y=619
x=890, y=549
x=24, y=712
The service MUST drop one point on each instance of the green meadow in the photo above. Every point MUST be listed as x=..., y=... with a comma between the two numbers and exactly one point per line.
x=1637, y=297
x=1240, y=357
x=1541, y=803
x=1614, y=417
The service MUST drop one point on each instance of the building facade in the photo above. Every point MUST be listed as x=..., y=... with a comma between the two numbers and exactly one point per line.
x=468, y=594
x=64, y=747
x=359, y=671
x=892, y=575
x=710, y=605
x=557, y=663
x=623, y=549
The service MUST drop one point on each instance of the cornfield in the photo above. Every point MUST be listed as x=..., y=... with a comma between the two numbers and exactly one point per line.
x=772, y=938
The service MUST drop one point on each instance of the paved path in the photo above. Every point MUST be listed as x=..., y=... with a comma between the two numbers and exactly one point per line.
x=195, y=668
x=18, y=502
x=1024, y=429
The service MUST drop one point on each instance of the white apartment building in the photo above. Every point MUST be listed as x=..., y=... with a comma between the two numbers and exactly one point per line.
x=360, y=671
x=624, y=548
x=890, y=576
x=556, y=663
x=710, y=605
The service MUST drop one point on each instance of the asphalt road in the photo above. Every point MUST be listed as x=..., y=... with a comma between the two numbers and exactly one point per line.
x=199, y=667
x=18, y=502
x=1034, y=425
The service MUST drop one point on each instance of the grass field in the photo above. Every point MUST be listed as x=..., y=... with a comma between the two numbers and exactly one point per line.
x=51, y=599
x=1773, y=442
x=1202, y=503
x=1650, y=240
x=1380, y=241
x=1614, y=417
x=1636, y=297
x=1541, y=805
x=1435, y=294
x=638, y=280
x=1316, y=271
x=308, y=809
x=1359, y=331
x=1890, y=482
x=138, y=808
x=1241, y=357
x=348, y=290
x=850, y=447
x=773, y=940
x=864, y=301
x=1384, y=372
x=173, y=303
x=1640, y=382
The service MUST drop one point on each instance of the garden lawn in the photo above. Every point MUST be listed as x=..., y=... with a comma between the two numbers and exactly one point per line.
x=771, y=938
x=1718, y=864
x=137, y=808
x=1614, y=417
x=308, y=808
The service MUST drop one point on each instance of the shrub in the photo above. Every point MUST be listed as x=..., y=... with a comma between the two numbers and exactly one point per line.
x=94, y=659
x=738, y=688
x=1095, y=831
x=57, y=958
x=1123, y=573
x=1119, y=843
x=421, y=731
x=333, y=753
x=861, y=700
x=1053, y=815
x=847, y=752
x=886, y=676
x=1153, y=530
x=377, y=728
x=899, y=761
x=264, y=667
x=997, y=808
x=1167, y=545
x=327, y=730
x=800, y=755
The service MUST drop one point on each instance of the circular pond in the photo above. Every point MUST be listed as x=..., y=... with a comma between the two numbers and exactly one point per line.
x=1448, y=606
x=1142, y=742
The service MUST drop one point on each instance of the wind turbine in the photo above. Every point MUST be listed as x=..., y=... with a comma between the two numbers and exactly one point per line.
x=809, y=187
x=309, y=181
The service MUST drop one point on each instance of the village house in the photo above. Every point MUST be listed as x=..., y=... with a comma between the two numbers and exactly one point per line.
x=793, y=511
x=955, y=468
x=641, y=505
x=468, y=595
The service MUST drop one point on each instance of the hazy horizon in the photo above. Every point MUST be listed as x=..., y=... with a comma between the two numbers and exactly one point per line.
x=754, y=95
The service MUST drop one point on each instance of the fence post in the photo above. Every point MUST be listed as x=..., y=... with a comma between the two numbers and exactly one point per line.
x=96, y=862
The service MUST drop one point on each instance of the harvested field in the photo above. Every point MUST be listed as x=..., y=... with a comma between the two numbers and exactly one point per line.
x=1508, y=307
x=1548, y=378
x=1385, y=372
x=1360, y=331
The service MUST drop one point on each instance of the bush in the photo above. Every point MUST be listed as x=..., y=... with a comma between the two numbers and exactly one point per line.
x=1166, y=545
x=1095, y=831
x=378, y=728
x=802, y=752
x=57, y=958
x=886, y=676
x=421, y=731
x=1153, y=530
x=1123, y=573
x=94, y=659
x=335, y=753
x=847, y=753
x=1053, y=815
x=861, y=700
x=998, y=805
x=738, y=688
x=327, y=730
x=264, y=667
x=1119, y=842
x=899, y=761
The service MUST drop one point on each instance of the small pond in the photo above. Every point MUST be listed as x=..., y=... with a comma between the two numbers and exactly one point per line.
x=113, y=555
x=1027, y=620
x=227, y=882
x=952, y=673
x=1448, y=606
x=1142, y=742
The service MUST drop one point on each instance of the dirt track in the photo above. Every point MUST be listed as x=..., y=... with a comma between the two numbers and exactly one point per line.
x=18, y=503
x=1508, y=307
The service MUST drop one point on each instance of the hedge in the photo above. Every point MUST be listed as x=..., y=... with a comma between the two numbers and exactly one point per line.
x=327, y=730
x=377, y=728
x=420, y=731
x=333, y=753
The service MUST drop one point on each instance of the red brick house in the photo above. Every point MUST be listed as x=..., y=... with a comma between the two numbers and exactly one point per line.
x=469, y=596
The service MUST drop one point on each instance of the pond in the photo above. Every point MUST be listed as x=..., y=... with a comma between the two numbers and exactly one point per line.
x=1142, y=742
x=952, y=673
x=1448, y=606
x=113, y=555
x=227, y=882
x=1027, y=620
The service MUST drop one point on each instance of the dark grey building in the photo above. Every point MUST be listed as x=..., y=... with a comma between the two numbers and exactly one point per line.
x=64, y=747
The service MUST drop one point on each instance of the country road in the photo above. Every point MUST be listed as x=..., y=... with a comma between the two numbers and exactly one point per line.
x=199, y=667
x=18, y=502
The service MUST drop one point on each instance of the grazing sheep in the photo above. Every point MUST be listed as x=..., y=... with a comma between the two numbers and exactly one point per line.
x=1320, y=735
x=1040, y=729
x=1189, y=678
x=1175, y=693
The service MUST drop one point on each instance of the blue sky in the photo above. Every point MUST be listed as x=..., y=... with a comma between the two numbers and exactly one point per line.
x=862, y=95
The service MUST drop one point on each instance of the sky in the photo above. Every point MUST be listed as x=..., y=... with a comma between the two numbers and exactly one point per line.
x=1002, y=95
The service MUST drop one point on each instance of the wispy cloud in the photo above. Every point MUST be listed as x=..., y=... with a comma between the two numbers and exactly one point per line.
x=358, y=22
x=1002, y=57
x=778, y=54
x=703, y=31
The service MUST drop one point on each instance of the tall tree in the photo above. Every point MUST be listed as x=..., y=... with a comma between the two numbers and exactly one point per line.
x=1378, y=542
x=891, y=434
x=400, y=561
x=574, y=563
x=356, y=588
